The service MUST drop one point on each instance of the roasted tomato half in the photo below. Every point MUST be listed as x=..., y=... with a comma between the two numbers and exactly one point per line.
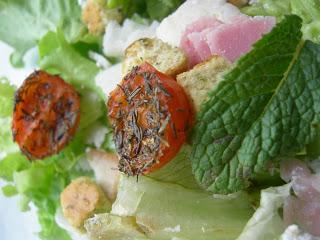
x=151, y=115
x=46, y=115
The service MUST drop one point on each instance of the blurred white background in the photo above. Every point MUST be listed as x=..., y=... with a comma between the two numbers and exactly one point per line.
x=15, y=225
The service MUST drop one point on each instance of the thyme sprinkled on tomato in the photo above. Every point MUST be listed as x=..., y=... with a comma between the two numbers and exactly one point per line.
x=148, y=128
x=46, y=115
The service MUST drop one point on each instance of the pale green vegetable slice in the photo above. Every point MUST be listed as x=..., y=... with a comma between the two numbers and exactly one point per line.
x=107, y=226
x=178, y=170
x=166, y=211
x=266, y=223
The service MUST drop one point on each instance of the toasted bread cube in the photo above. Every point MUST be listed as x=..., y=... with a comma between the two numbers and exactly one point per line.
x=81, y=199
x=165, y=58
x=198, y=81
x=96, y=16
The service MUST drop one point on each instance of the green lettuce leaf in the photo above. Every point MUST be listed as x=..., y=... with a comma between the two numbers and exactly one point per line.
x=107, y=226
x=167, y=211
x=259, y=111
x=159, y=9
x=308, y=10
x=9, y=190
x=6, y=98
x=267, y=223
x=23, y=23
x=57, y=56
x=6, y=142
x=178, y=170
x=152, y=9
x=6, y=102
x=12, y=163
x=41, y=182
x=268, y=8
x=41, y=185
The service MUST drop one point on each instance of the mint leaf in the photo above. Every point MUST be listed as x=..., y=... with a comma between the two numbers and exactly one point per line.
x=267, y=106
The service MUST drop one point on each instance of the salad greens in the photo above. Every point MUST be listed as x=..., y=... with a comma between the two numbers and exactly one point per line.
x=267, y=106
x=63, y=45
x=259, y=111
x=6, y=102
x=152, y=9
x=308, y=10
x=107, y=226
x=6, y=92
x=41, y=182
x=23, y=23
x=182, y=214
x=178, y=170
x=266, y=223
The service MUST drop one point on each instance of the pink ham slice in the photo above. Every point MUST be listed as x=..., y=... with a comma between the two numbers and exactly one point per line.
x=303, y=208
x=193, y=40
x=208, y=36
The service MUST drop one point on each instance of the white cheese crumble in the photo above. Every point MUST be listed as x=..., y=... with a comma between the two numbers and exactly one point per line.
x=100, y=60
x=172, y=27
x=97, y=135
x=118, y=37
x=293, y=232
x=108, y=79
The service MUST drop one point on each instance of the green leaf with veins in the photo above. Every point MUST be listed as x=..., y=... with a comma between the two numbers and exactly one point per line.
x=267, y=106
x=59, y=57
x=6, y=98
x=6, y=102
x=23, y=23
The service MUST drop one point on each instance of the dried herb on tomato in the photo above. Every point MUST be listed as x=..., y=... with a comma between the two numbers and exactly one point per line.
x=46, y=115
x=151, y=115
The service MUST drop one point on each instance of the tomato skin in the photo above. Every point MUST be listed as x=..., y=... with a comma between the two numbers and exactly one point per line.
x=46, y=115
x=174, y=117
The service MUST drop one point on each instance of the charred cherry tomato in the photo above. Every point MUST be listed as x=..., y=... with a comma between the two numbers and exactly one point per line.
x=151, y=115
x=46, y=115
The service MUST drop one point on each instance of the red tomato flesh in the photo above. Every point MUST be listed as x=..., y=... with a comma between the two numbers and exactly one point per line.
x=151, y=116
x=46, y=115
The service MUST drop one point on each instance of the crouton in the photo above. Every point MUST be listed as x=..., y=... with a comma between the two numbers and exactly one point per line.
x=105, y=167
x=81, y=199
x=165, y=58
x=95, y=14
x=199, y=80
